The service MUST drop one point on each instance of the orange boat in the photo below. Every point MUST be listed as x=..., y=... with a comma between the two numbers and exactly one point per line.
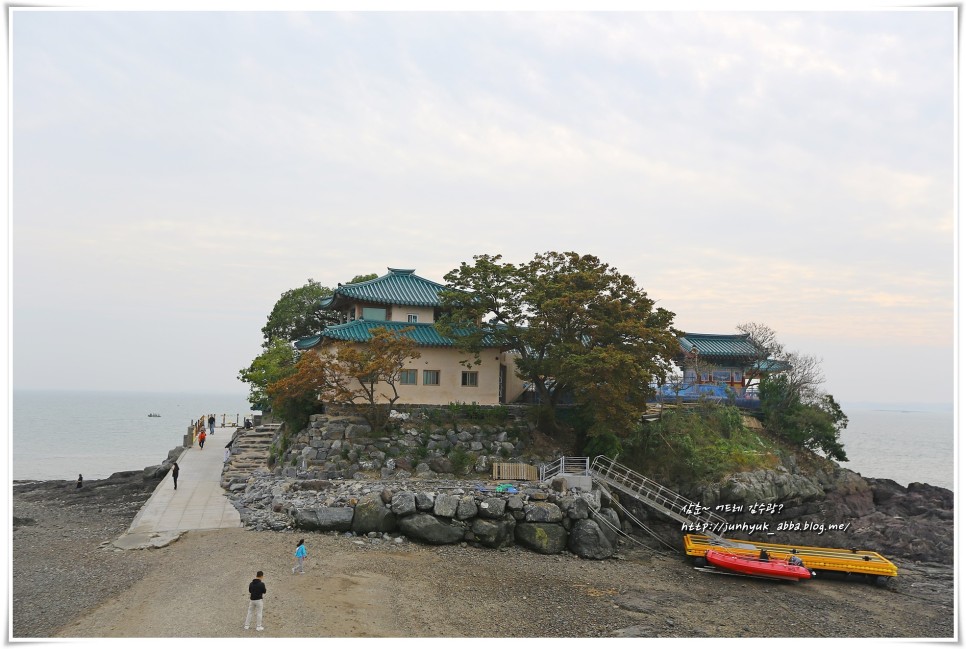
x=774, y=568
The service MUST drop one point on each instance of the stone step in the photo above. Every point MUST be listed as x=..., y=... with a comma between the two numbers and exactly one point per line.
x=249, y=453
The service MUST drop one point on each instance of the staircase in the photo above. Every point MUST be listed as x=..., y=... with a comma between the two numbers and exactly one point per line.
x=606, y=471
x=249, y=452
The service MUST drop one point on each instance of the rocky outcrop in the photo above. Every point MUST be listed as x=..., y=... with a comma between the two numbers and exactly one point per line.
x=829, y=506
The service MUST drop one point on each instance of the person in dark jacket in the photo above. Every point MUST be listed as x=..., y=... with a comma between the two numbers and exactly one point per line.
x=80, y=480
x=174, y=474
x=211, y=425
x=256, y=591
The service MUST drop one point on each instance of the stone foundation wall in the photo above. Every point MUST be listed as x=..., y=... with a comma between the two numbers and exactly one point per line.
x=545, y=519
x=345, y=446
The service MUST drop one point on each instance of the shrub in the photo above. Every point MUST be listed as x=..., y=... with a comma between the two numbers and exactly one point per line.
x=706, y=443
x=462, y=460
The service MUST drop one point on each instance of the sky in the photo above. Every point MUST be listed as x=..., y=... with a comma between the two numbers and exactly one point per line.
x=173, y=173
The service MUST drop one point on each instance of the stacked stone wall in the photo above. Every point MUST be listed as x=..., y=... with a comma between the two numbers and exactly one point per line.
x=344, y=446
x=541, y=518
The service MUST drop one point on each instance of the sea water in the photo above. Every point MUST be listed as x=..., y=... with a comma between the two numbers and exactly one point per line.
x=903, y=443
x=57, y=435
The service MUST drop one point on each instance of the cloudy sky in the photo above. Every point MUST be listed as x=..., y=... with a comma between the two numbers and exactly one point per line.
x=174, y=173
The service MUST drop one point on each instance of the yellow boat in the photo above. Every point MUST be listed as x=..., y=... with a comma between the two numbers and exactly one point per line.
x=848, y=561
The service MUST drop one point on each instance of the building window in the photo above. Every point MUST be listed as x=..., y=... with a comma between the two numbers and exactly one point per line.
x=722, y=376
x=737, y=377
x=412, y=317
x=471, y=379
x=407, y=377
x=430, y=377
x=373, y=313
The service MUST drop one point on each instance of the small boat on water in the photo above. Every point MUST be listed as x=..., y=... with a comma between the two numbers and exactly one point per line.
x=153, y=414
x=774, y=568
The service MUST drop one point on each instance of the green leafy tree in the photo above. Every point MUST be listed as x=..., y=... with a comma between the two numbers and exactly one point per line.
x=297, y=314
x=815, y=424
x=576, y=325
x=275, y=363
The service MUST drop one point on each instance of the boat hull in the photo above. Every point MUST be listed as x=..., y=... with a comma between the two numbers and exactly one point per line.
x=774, y=568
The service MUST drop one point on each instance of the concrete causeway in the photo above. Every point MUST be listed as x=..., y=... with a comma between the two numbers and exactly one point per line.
x=199, y=503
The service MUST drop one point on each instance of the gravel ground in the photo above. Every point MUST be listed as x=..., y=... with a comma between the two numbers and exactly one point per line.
x=67, y=584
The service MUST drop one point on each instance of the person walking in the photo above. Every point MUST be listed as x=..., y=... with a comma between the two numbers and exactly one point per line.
x=201, y=439
x=175, y=469
x=80, y=480
x=300, y=555
x=211, y=424
x=256, y=591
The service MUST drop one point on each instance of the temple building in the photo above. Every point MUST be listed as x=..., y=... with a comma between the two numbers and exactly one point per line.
x=730, y=360
x=401, y=300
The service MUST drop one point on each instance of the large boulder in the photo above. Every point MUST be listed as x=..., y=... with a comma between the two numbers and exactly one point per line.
x=492, y=508
x=324, y=519
x=404, y=504
x=429, y=529
x=588, y=541
x=610, y=525
x=446, y=505
x=155, y=472
x=494, y=533
x=372, y=515
x=542, y=512
x=545, y=538
x=467, y=508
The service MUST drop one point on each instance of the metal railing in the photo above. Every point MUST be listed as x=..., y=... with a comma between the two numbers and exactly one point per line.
x=565, y=465
x=668, y=502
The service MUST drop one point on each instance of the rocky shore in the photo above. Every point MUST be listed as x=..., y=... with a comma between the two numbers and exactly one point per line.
x=67, y=583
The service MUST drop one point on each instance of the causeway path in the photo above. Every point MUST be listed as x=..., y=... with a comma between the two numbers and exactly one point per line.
x=199, y=502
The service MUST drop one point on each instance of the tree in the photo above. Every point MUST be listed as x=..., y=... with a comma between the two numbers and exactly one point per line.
x=803, y=372
x=350, y=373
x=576, y=325
x=814, y=425
x=792, y=400
x=297, y=314
x=275, y=363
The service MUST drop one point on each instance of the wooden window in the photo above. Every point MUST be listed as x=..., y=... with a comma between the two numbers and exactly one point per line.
x=430, y=377
x=471, y=379
x=407, y=377
x=412, y=317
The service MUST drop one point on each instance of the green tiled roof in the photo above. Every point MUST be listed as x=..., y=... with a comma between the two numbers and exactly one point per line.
x=730, y=349
x=398, y=286
x=360, y=331
x=737, y=345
